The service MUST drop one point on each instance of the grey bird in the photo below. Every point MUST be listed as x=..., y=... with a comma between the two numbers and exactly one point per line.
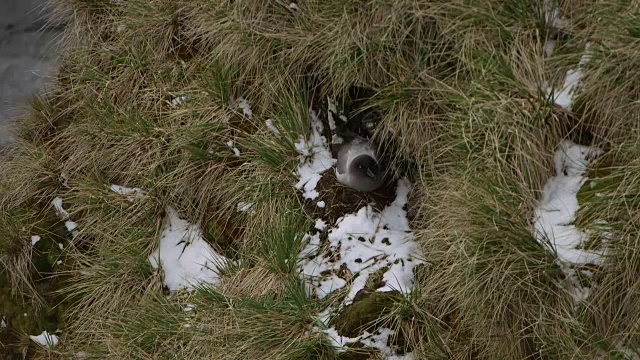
x=359, y=166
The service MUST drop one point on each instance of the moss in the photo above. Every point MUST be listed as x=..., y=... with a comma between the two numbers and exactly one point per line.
x=23, y=320
x=363, y=312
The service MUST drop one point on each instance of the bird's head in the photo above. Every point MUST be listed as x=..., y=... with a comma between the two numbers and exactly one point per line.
x=366, y=167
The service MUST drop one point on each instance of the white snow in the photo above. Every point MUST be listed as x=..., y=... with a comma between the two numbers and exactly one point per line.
x=63, y=214
x=272, y=128
x=331, y=107
x=244, y=105
x=70, y=225
x=564, y=96
x=243, y=206
x=35, y=239
x=61, y=246
x=235, y=150
x=321, y=204
x=131, y=193
x=57, y=206
x=366, y=242
x=45, y=339
x=188, y=308
x=315, y=158
x=320, y=224
x=187, y=260
x=179, y=100
x=3, y=322
x=556, y=212
x=293, y=6
x=379, y=339
x=552, y=15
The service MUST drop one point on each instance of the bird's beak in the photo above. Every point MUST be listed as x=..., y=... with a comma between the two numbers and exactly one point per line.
x=371, y=174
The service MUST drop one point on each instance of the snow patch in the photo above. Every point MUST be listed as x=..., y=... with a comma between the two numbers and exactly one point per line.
x=556, y=212
x=244, y=105
x=243, y=206
x=64, y=215
x=179, y=100
x=378, y=339
x=320, y=224
x=364, y=243
x=332, y=110
x=45, y=339
x=552, y=15
x=131, y=193
x=315, y=158
x=321, y=204
x=35, y=239
x=274, y=130
x=235, y=150
x=3, y=322
x=57, y=206
x=70, y=225
x=564, y=97
x=187, y=260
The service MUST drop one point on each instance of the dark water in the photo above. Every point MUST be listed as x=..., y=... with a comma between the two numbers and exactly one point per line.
x=27, y=53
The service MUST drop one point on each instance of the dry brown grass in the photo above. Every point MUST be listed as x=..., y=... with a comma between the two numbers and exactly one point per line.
x=459, y=89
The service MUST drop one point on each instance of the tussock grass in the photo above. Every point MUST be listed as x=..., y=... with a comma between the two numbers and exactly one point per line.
x=149, y=94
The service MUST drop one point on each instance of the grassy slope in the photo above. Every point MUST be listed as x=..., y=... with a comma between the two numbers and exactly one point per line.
x=457, y=85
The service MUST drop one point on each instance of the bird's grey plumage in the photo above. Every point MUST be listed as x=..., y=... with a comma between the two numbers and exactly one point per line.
x=359, y=166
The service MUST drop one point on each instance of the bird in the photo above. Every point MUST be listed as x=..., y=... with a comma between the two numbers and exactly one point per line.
x=359, y=166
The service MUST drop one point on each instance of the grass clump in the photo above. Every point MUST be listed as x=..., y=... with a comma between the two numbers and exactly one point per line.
x=203, y=107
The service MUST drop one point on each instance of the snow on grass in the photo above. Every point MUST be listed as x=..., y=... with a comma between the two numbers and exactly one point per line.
x=179, y=100
x=378, y=339
x=365, y=243
x=131, y=193
x=35, y=239
x=274, y=130
x=57, y=206
x=315, y=158
x=564, y=97
x=556, y=212
x=321, y=204
x=3, y=322
x=45, y=339
x=552, y=15
x=320, y=224
x=243, y=206
x=70, y=225
x=332, y=110
x=187, y=260
x=63, y=214
x=235, y=150
x=244, y=105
